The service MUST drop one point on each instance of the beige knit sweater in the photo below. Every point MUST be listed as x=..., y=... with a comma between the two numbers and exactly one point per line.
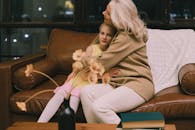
x=129, y=56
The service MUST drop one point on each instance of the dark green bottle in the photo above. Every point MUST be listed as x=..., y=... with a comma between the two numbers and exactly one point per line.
x=66, y=118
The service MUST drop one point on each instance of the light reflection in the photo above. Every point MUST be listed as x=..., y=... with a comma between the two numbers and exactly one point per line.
x=40, y=9
x=69, y=5
x=69, y=13
x=26, y=35
x=44, y=15
x=5, y=40
x=15, y=40
x=15, y=58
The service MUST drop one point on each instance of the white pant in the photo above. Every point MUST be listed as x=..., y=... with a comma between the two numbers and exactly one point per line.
x=101, y=102
x=54, y=104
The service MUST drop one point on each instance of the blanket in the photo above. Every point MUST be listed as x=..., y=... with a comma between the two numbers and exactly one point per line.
x=168, y=51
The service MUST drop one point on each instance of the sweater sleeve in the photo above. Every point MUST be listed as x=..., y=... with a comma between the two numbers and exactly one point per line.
x=122, y=46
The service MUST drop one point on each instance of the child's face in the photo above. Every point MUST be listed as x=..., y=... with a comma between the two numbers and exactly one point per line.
x=105, y=35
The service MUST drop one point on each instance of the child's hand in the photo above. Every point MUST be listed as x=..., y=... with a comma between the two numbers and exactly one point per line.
x=106, y=78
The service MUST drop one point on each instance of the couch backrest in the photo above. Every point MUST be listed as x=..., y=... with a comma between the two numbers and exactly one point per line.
x=62, y=43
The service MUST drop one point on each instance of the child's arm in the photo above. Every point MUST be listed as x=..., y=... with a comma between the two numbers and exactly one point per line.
x=89, y=51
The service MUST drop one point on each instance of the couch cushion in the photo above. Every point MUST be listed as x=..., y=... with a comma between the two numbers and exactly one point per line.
x=63, y=43
x=172, y=103
x=187, y=78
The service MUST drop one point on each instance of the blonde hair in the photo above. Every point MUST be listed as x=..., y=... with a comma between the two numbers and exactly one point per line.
x=111, y=27
x=124, y=16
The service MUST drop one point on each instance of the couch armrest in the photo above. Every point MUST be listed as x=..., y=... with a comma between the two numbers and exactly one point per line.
x=187, y=78
x=6, y=75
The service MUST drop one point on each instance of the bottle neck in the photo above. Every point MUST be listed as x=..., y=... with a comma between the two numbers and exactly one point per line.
x=66, y=102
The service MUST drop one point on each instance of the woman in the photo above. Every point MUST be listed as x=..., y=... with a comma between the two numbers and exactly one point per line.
x=132, y=85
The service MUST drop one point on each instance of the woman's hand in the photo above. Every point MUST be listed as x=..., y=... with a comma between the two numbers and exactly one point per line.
x=107, y=76
x=114, y=72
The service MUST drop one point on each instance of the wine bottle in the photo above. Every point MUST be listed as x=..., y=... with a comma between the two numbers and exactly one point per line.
x=66, y=118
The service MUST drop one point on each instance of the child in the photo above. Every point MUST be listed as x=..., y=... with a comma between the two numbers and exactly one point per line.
x=76, y=80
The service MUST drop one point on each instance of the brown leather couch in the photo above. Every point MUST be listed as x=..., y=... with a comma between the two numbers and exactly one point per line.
x=177, y=103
